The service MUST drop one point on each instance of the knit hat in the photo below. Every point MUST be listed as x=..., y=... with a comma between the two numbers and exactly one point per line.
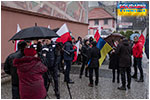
x=29, y=52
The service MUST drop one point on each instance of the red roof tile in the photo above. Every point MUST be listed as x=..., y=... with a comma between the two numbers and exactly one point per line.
x=99, y=13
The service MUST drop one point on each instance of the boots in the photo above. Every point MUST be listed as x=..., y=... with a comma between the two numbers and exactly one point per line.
x=134, y=76
x=57, y=94
x=128, y=86
x=140, y=80
x=122, y=88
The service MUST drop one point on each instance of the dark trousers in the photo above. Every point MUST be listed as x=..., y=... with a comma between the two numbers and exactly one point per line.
x=58, y=63
x=125, y=71
x=138, y=62
x=15, y=92
x=79, y=59
x=54, y=73
x=83, y=66
x=67, y=71
x=51, y=74
x=114, y=72
x=96, y=75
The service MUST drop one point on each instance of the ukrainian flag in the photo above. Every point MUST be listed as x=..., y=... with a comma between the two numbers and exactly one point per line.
x=102, y=45
x=104, y=49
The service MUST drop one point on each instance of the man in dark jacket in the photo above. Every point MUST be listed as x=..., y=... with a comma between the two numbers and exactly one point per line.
x=68, y=57
x=94, y=56
x=84, y=53
x=11, y=70
x=124, y=52
x=49, y=53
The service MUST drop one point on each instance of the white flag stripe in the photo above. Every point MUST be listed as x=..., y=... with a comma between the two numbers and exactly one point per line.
x=49, y=27
x=18, y=29
x=63, y=29
x=99, y=30
x=77, y=45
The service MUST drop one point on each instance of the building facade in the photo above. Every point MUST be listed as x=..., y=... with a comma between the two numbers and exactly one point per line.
x=100, y=17
x=70, y=10
x=53, y=14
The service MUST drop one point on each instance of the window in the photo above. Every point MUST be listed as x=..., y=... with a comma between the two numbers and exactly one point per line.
x=105, y=21
x=96, y=22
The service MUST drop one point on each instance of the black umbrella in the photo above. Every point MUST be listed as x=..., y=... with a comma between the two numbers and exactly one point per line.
x=55, y=30
x=33, y=33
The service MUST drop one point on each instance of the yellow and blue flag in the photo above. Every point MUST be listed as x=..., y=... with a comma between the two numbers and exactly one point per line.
x=104, y=49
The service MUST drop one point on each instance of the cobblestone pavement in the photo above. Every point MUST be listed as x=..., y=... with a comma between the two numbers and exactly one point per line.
x=105, y=90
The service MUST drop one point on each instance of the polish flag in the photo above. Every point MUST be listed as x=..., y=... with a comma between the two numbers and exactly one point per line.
x=17, y=41
x=97, y=34
x=63, y=32
x=76, y=46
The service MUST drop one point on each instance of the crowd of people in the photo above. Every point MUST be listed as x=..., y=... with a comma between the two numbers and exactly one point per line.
x=33, y=68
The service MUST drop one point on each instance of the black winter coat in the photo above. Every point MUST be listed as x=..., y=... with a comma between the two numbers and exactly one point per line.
x=124, y=52
x=49, y=51
x=94, y=56
x=84, y=51
x=114, y=61
x=69, y=48
x=10, y=69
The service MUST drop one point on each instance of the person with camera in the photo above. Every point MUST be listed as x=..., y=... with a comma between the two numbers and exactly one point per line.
x=49, y=59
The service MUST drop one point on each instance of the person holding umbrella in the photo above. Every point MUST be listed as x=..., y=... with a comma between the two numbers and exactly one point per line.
x=114, y=62
x=50, y=54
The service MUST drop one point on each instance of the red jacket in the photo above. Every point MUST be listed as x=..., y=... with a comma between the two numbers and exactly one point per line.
x=137, y=50
x=31, y=83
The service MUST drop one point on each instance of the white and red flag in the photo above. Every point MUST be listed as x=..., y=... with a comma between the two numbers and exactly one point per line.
x=64, y=33
x=76, y=46
x=98, y=33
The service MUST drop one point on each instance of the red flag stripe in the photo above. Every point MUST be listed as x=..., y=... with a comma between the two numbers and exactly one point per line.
x=97, y=36
x=64, y=38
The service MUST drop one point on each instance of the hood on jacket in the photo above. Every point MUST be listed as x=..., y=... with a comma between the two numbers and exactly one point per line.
x=25, y=63
x=125, y=42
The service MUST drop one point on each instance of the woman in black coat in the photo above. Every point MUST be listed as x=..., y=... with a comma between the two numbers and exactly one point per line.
x=114, y=62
